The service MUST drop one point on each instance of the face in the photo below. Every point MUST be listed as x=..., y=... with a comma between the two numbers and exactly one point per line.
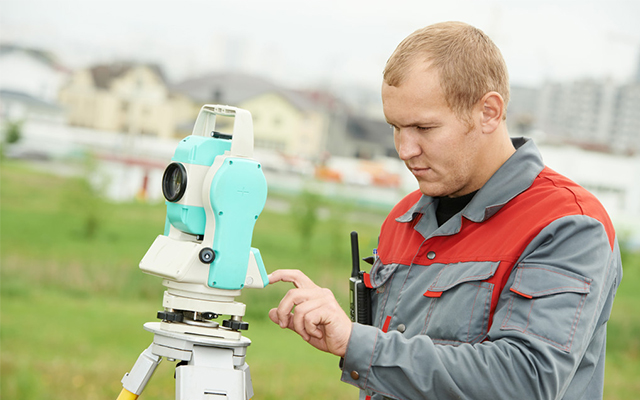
x=439, y=149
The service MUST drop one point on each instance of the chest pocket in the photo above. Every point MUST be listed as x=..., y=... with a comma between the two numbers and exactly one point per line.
x=381, y=277
x=460, y=302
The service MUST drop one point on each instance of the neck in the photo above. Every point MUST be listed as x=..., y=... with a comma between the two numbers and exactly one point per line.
x=497, y=150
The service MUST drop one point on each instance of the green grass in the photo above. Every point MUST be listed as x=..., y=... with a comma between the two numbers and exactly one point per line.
x=73, y=301
x=623, y=336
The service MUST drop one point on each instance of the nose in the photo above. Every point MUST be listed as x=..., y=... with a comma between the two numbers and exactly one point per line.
x=406, y=144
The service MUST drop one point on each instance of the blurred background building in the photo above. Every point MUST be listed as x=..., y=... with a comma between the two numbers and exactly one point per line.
x=30, y=82
x=129, y=112
x=124, y=97
x=597, y=114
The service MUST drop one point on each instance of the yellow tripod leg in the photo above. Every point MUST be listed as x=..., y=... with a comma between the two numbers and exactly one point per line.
x=126, y=395
x=140, y=374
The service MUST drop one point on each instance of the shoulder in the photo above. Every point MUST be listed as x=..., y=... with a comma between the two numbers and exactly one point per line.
x=563, y=190
x=557, y=196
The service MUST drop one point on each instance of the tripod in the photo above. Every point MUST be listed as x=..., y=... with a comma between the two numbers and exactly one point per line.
x=210, y=368
x=210, y=358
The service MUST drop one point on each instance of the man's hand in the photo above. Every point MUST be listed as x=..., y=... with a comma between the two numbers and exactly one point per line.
x=317, y=316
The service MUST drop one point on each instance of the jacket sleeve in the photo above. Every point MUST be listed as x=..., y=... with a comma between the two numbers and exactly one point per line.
x=550, y=322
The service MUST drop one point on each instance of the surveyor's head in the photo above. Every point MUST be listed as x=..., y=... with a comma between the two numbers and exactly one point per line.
x=468, y=63
x=444, y=94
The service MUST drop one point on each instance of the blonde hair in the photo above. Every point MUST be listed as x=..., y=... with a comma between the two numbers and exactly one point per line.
x=468, y=63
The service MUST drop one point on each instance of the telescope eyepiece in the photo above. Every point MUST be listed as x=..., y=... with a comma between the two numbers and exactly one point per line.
x=174, y=182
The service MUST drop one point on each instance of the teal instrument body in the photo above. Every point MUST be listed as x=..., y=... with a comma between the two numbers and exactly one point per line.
x=238, y=195
x=194, y=150
x=215, y=192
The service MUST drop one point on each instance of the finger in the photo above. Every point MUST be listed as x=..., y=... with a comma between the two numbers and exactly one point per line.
x=291, y=299
x=308, y=315
x=317, y=343
x=329, y=328
x=297, y=277
x=273, y=316
x=313, y=322
x=298, y=320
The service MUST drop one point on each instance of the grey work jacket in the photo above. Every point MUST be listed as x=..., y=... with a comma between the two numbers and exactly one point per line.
x=445, y=330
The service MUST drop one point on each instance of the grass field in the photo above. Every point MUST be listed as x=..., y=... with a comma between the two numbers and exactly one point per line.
x=73, y=301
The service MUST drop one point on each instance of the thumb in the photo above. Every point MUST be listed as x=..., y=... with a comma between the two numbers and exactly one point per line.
x=273, y=316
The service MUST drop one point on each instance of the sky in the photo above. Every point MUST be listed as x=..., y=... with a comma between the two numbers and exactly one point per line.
x=325, y=43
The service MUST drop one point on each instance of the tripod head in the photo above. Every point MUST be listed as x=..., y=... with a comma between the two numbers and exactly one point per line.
x=214, y=192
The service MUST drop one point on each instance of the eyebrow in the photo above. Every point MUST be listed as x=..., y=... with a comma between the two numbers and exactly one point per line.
x=416, y=123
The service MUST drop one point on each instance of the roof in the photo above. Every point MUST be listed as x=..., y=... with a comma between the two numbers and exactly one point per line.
x=44, y=57
x=104, y=74
x=234, y=88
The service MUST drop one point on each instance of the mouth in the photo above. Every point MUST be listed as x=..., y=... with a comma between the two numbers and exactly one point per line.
x=418, y=171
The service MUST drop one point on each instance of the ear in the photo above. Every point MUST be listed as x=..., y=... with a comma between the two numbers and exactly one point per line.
x=492, y=111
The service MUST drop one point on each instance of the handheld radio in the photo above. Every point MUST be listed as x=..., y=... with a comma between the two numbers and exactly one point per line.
x=360, y=296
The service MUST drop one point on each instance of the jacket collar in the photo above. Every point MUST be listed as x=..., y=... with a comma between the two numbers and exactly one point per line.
x=514, y=177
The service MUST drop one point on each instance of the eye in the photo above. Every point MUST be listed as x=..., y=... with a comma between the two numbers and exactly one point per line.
x=424, y=128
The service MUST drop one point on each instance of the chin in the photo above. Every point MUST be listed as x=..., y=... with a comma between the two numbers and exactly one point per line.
x=436, y=190
x=433, y=192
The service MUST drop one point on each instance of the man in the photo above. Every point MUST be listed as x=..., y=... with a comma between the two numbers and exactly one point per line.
x=496, y=279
